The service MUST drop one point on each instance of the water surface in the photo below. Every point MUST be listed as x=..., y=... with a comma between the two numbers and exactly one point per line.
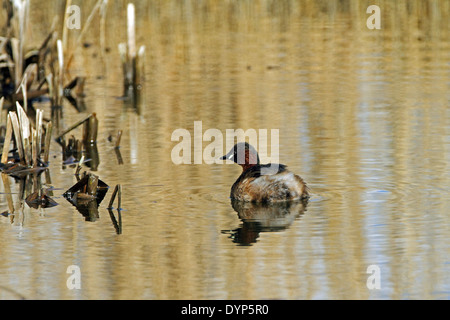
x=363, y=116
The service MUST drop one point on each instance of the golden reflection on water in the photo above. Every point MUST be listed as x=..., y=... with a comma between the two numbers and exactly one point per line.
x=363, y=118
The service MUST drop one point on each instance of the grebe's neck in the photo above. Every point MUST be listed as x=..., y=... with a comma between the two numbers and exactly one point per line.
x=251, y=160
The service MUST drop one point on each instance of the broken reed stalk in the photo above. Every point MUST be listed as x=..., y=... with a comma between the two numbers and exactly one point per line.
x=24, y=93
x=36, y=145
x=119, y=204
x=113, y=197
x=38, y=126
x=78, y=148
x=131, y=31
x=7, y=140
x=75, y=125
x=15, y=43
x=34, y=148
x=59, y=47
x=78, y=169
x=117, y=190
x=25, y=132
x=48, y=137
x=2, y=101
x=128, y=51
x=17, y=135
x=131, y=58
x=31, y=94
x=48, y=181
x=118, y=155
x=92, y=185
x=90, y=129
x=29, y=75
x=119, y=137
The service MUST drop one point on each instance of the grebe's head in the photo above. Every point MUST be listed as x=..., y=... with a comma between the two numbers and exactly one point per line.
x=243, y=154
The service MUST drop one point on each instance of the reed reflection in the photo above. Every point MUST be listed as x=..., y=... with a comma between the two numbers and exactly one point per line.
x=261, y=217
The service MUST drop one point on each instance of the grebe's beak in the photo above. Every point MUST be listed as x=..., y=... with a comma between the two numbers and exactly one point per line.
x=228, y=156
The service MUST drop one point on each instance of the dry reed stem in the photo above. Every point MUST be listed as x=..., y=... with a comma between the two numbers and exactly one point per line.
x=17, y=135
x=34, y=148
x=119, y=137
x=25, y=132
x=75, y=125
x=61, y=71
x=2, y=101
x=48, y=137
x=113, y=197
x=90, y=130
x=131, y=31
x=7, y=141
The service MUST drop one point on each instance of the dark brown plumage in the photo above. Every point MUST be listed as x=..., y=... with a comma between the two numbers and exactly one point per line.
x=263, y=183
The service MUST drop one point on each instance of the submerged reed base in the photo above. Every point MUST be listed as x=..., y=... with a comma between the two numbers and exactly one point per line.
x=86, y=195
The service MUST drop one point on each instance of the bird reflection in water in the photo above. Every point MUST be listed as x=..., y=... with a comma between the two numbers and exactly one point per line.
x=260, y=217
